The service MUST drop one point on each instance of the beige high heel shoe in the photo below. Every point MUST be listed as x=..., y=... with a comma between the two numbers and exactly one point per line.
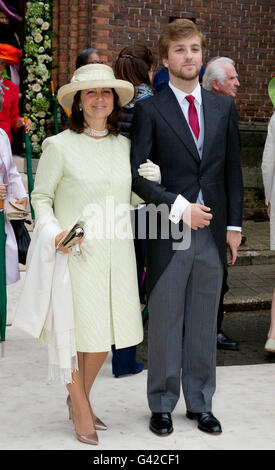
x=91, y=438
x=99, y=425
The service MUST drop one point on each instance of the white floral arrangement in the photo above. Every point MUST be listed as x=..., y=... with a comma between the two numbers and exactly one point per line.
x=37, y=65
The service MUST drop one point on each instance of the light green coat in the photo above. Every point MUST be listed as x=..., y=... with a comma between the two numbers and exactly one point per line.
x=74, y=172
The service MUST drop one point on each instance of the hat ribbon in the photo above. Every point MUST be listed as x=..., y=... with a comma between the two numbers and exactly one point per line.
x=100, y=75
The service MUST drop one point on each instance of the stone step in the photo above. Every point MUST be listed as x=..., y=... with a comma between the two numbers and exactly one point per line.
x=250, y=287
x=21, y=164
x=252, y=257
x=248, y=303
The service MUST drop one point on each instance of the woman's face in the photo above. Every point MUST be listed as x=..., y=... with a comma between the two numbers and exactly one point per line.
x=3, y=64
x=94, y=58
x=4, y=18
x=97, y=103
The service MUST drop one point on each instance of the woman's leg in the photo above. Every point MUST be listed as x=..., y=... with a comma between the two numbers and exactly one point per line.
x=89, y=365
x=92, y=365
x=271, y=333
x=82, y=416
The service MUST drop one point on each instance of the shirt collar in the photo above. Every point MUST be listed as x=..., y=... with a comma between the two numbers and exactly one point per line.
x=180, y=95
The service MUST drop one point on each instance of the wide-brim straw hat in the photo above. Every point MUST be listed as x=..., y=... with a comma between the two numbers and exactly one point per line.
x=271, y=91
x=94, y=76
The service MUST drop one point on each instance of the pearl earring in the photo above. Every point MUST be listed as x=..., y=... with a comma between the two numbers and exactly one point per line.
x=80, y=108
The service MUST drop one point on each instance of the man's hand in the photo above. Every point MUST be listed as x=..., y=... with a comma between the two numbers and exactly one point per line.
x=197, y=216
x=233, y=240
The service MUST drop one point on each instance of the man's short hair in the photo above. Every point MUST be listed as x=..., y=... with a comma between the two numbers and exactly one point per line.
x=176, y=30
x=214, y=71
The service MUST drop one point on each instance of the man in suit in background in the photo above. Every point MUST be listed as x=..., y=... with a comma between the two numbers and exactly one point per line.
x=221, y=77
x=192, y=134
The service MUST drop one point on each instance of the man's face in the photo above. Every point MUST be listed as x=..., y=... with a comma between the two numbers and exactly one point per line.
x=230, y=85
x=184, y=59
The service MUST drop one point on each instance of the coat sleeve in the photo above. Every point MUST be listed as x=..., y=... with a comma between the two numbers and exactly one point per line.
x=17, y=186
x=142, y=147
x=233, y=169
x=14, y=111
x=49, y=174
x=268, y=161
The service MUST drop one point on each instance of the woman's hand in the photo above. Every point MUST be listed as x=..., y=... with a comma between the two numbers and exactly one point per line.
x=57, y=240
x=20, y=122
x=150, y=171
x=23, y=201
x=3, y=191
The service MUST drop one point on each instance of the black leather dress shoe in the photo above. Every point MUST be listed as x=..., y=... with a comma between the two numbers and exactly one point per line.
x=223, y=342
x=206, y=421
x=161, y=424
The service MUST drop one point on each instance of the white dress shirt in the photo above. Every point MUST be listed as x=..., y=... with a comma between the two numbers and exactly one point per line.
x=181, y=203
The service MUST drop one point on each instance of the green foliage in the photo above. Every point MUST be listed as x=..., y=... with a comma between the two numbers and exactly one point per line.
x=38, y=65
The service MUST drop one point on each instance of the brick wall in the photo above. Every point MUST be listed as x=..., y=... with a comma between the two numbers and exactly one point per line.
x=240, y=29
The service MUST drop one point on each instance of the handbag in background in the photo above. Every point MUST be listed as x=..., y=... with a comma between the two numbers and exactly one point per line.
x=16, y=213
x=23, y=238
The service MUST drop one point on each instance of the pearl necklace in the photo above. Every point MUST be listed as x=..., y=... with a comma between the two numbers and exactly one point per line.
x=94, y=133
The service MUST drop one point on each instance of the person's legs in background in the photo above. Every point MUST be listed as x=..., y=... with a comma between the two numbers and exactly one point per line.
x=270, y=344
x=124, y=360
x=223, y=342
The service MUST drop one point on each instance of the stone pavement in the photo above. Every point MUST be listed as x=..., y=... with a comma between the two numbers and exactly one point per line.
x=252, y=279
x=34, y=415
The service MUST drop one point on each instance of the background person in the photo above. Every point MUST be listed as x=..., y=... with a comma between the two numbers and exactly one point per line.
x=88, y=56
x=10, y=183
x=134, y=64
x=9, y=22
x=268, y=172
x=221, y=77
x=9, y=115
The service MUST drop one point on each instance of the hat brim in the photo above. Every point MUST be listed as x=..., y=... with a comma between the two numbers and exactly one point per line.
x=10, y=61
x=124, y=90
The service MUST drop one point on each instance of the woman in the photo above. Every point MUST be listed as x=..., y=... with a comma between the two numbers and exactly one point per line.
x=134, y=64
x=268, y=171
x=9, y=115
x=85, y=170
x=9, y=27
x=88, y=56
x=10, y=183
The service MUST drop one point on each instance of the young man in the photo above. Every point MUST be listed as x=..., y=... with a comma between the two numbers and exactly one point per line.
x=192, y=135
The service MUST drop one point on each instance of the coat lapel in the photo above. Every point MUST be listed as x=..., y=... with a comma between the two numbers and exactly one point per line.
x=170, y=110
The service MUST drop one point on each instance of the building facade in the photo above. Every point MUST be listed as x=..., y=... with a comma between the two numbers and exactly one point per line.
x=240, y=29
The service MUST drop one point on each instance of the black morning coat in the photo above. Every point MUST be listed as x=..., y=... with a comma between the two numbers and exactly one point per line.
x=160, y=132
